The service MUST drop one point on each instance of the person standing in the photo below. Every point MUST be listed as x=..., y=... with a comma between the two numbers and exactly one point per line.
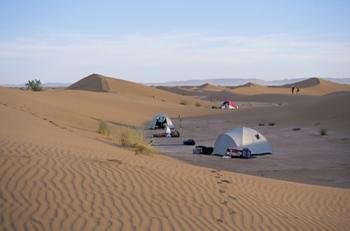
x=167, y=130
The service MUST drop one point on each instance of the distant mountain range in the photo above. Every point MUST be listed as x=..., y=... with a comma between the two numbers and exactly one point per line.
x=241, y=81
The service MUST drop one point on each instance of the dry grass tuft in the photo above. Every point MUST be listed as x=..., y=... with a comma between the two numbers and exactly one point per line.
x=132, y=138
x=323, y=132
x=183, y=102
x=103, y=128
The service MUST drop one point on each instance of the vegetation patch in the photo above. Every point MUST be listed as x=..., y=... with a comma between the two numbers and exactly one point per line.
x=323, y=132
x=132, y=138
x=184, y=102
x=103, y=128
x=34, y=85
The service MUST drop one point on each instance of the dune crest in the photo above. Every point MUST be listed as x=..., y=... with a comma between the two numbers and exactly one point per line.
x=93, y=82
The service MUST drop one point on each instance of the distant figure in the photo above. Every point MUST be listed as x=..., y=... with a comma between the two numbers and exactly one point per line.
x=293, y=90
x=298, y=89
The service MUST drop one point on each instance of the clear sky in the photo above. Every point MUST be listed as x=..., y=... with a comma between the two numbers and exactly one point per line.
x=154, y=41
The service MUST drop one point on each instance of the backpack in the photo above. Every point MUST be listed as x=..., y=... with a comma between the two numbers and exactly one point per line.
x=189, y=142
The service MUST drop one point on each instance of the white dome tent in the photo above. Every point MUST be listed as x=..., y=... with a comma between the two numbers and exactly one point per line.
x=242, y=138
x=159, y=120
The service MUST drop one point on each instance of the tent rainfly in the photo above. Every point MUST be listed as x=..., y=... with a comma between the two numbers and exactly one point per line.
x=159, y=120
x=228, y=104
x=242, y=138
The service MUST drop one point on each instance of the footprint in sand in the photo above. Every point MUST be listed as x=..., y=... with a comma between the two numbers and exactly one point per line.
x=220, y=220
x=232, y=197
x=224, y=202
x=116, y=161
x=232, y=212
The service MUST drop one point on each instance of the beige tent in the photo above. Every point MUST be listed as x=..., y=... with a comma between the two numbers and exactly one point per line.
x=242, y=138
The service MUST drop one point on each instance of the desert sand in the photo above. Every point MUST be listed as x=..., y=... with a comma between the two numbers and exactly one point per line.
x=57, y=173
x=300, y=153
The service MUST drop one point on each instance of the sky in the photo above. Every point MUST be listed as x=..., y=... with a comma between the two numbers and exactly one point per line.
x=157, y=41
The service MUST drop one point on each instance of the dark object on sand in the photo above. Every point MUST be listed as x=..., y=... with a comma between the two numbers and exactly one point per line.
x=261, y=124
x=272, y=124
x=296, y=129
x=214, y=107
x=203, y=150
x=189, y=142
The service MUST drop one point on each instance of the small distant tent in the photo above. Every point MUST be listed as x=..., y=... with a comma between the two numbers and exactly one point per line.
x=242, y=138
x=159, y=120
x=228, y=104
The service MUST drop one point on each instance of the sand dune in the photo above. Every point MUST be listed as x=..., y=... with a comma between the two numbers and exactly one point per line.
x=57, y=173
x=311, y=82
x=100, y=83
x=210, y=87
x=312, y=86
x=309, y=87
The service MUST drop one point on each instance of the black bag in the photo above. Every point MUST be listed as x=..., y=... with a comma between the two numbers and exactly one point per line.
x=189, y=142
x=208, y=150
x=203, y=150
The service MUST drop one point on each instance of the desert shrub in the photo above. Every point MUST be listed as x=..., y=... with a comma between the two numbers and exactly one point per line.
x=198, y=104
x=132, y=138
x=323, y=132
x=103, y=128
x=34, y=85
x=184, y=102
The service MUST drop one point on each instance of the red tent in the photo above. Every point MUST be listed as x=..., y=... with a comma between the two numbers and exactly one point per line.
x=228, y=104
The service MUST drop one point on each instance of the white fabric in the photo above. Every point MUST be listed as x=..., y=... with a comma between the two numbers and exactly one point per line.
x=242, y=138
x=167, y=131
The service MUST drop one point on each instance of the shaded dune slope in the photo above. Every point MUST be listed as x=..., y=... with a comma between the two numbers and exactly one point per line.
x=311, y=82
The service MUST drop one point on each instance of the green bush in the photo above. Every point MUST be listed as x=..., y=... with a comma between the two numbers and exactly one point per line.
x=131, y=138
x=184, y=102
x=103, y=128
x=34, y=85
x=323, y=132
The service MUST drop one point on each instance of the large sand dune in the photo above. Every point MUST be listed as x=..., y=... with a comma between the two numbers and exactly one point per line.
x=100, y=83
x=57, y=173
